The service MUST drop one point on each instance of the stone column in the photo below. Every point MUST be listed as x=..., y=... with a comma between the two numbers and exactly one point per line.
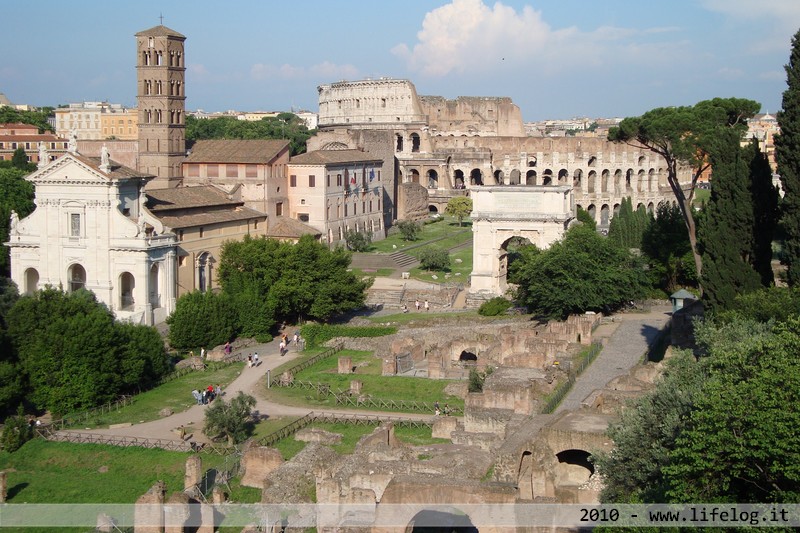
x=355, y=387
x=194, y=472
x=170, y=283
x=149, y=510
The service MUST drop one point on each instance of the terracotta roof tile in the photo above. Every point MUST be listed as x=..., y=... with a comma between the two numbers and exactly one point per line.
x=160, y=31
x=287, y=227
x=261, y=151
x=165, y=200
x=118, y=171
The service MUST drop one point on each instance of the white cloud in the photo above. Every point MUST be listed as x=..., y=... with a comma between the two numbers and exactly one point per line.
x=469, y=36
x=782, y=16
x=326, y=70
x=728, y=73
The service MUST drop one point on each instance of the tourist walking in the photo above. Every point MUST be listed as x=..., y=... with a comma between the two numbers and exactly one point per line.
x=417, y=304
x=427, y=307
x=250, y=361
x=282, y=347
x=255, y=359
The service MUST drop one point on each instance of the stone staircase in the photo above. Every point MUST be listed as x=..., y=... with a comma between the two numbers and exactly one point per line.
x=403, y=260
x=390, y=298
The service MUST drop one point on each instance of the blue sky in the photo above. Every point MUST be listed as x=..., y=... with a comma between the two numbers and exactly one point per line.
x=554, y=58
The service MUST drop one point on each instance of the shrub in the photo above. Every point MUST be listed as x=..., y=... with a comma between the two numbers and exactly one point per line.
x=357, y=241
x=317, y=334
x=433, y=258
x=202, y=319
x=231, y=420
x=496, y=306
x=16, y=432
x=408, y=229
x=477, y=379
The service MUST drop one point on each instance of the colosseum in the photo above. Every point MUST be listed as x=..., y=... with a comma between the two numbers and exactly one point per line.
x=437, y=148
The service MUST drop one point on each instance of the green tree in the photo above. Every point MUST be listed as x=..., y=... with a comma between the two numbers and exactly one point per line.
x=357, y=241
x=16, y=432
x=495, y=306
x=434, y=258
x=686, y=135
x=787, y=155
x=37, y=118
x=232, y=420
x=766, y=213
x=459, y=207
x=767, y=304
x=586, y=218
x=74, y=355
x=740, y=443
x=202, y=319
x=283, y=126
x=20, y=159
x=408, y=229
x=727, y=232
x=583, y=272
x=666, y=246
x=16, y=194
x=628, y=226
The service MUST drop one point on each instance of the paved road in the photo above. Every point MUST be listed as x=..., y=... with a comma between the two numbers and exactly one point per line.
x=628, y=341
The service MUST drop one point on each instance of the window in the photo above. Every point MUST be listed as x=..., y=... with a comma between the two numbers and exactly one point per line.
x=279, y=209
x=180, y=238
x=194, y=170
x=74, y=225
x=212, y=171
x=302, y=217
x=201, y=232
x=251, y=171
x=231, y=171
x=345, y=209
x=338, y=180
x=328, y=180
x=312, y=181
x=292, y=181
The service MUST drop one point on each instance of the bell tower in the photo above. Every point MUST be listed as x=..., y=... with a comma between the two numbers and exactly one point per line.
x=161, y=101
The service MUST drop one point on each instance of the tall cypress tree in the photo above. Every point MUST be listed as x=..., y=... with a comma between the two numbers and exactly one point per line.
x=627, y=226
x=765, y=213
x=726, y=232
x=787, y=154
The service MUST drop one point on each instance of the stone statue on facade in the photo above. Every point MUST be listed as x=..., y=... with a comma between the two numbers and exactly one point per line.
x=44, y=157
x=72, y=145
x=14, y=222
x=105, y=164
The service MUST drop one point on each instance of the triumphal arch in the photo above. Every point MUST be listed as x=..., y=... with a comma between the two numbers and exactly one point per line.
x=538, y=214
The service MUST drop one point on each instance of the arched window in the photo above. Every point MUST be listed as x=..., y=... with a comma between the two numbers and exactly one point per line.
x=203, y=272
x=76, y=276
x=31, y=281
x=153, y=285
x=415, y=142
x=126, y=285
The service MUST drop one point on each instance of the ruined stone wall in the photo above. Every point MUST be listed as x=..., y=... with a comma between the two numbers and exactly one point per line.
x=412, y=202
x=473, y=115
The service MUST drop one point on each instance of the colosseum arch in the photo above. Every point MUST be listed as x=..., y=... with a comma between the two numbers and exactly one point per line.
x=538, y=214
x=577, y=179
x=498, y=177
x=547, y=177
x=530, y=177
x=432, y=179
x=458, y=179
x=563, y=176
x=514, y=178
x=592, y=181
x=476, y=177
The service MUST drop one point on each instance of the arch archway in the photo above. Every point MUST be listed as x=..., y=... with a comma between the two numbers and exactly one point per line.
x=563, y=176
x=76, y=277
x=498, y=177
x=468, y=356
x=592, y=210
x=547, y=177
x=604, y=181
x=642, y=184
x=592, y=181
x=31, y=281
x=476, y=177
x=514, y=177
x=433, y=179
x=127, y=284
x=154, y=284
x=530, y=177
x=415, y=142
x=574, y=467
x=650, y=209
x=432, y=209
x=413, y=175
x=577, y=179
x=604, y=216
x=458, y=179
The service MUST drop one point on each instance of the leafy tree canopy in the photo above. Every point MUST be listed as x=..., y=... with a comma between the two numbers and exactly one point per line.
x=408, y=229
x=230, y=420
x=202, y=319
x=284, y=126
x=686, y=135
x=434, y=258
x=37, y=118
x=357, y=241
x=583, y=272
x=16, y=194
x=459, y=207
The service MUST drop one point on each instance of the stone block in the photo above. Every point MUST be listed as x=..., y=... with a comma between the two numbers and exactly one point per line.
x=345, y=365
x=389, y=366
x=148, y=516
x=258, y=463
x=355, y=387
x=443, y=427
x=194, y=472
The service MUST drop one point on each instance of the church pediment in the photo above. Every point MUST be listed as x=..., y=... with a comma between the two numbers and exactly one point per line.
x=68, y=169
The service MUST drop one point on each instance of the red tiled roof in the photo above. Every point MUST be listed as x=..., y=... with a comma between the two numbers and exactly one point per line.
x=325, y=157
x=261, y=151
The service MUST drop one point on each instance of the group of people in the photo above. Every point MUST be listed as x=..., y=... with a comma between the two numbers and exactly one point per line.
x=438, y=411
x=207, y=394
x=285, y=341
x=252, y=360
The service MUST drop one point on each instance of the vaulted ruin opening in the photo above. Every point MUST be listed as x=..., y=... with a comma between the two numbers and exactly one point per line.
x=574, y=467
x=441, y=521
x=468, y=357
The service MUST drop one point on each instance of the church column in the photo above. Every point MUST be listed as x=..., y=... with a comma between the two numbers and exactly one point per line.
x=170, y=283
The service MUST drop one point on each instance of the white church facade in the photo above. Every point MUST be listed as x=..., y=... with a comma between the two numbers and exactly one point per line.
x=91, y=230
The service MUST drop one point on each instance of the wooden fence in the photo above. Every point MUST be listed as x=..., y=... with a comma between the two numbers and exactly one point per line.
x=555, y=398
x=302, y=365
x=77, y=437
x=346, y=399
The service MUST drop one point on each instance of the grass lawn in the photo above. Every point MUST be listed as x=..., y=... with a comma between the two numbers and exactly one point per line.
x=380, y=272
x=424, y=318
x=368, y=370
x=289, y=447
x=447, y=226
x=701, y=195
x=464, y=268
x=175, y=394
